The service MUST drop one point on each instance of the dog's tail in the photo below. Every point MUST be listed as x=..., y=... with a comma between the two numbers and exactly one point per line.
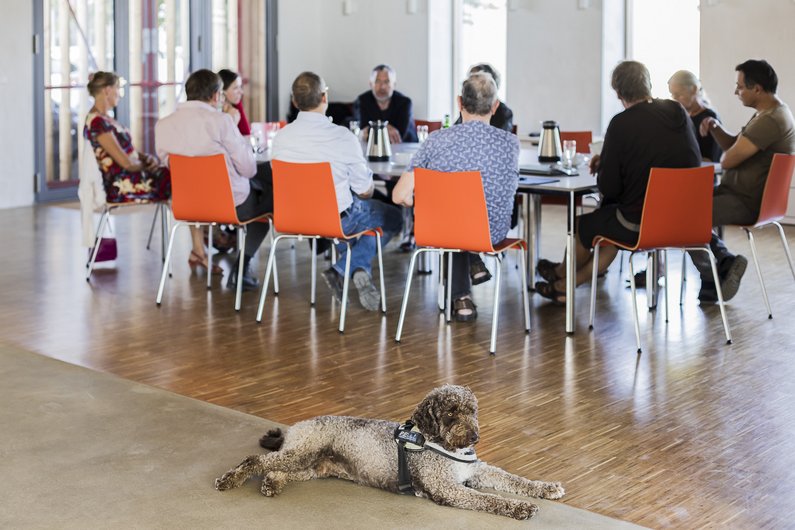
x=273, y=440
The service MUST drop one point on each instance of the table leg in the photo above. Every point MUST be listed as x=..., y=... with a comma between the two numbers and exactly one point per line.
x=532, y=227
x=571, y=265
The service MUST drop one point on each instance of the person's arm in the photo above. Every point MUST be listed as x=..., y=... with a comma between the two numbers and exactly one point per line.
x=713, y=127
x=742, y=150
x=360, y=177
x=401, y=117
x=403, y=192
x=111, y=146
x=608, y=165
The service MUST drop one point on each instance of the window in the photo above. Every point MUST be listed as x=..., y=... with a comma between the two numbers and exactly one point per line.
x=481, y=38
x=664, y=35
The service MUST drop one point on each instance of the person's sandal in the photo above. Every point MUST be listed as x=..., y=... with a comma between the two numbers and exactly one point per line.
x=465, y=310
x=478, y=273
x=547, y=290
x=546, y=269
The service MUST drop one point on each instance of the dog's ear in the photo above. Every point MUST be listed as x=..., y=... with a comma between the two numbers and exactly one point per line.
x=426, y=417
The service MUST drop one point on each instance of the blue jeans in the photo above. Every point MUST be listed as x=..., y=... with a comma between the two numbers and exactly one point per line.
x=362, y=215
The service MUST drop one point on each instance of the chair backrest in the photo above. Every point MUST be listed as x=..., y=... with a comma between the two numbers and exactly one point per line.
x=432, y=125
x=776, y=194
x=583, y=139
x=304, y=199
x=201, y=190
x=677, y=211
x=450, y=210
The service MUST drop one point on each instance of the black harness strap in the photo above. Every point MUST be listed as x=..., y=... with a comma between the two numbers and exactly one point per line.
x=404, y=435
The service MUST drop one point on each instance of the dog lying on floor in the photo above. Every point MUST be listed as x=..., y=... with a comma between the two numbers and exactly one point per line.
x=430, y=456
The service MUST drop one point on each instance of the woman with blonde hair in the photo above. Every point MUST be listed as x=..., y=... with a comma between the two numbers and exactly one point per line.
x=686, y=88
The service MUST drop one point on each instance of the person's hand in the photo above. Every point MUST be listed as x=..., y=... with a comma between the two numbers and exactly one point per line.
x=150, y=162
x=594, y=164
x=394, y=134
x=706, y=125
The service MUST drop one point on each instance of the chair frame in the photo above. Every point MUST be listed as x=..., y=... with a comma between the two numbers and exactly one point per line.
x=657, y=173
x=161, y=207
x=780, y=174
x=241, y=238
x=338, y=237
x=446, y=302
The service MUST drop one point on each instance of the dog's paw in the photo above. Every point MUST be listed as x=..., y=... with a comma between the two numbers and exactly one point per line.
x=226, y=482
x=552, y=490
x=523, y=510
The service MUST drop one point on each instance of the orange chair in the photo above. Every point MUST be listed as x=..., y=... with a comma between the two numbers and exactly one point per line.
x=432, y=125
x=773, y=209
x=440, y=227
x=305, y=206
x=583, y=139
x=201, y=194
x=677, y=213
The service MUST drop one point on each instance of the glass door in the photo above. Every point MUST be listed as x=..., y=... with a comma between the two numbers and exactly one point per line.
x=77, y=39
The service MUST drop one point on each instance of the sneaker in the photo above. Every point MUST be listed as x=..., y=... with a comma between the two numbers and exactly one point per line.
x=369, y=296
x=334, y=282
x=730, y=282
x=250, y=282
x=708, y=293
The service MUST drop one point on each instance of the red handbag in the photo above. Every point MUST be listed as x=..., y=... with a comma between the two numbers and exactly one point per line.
x=107, y=249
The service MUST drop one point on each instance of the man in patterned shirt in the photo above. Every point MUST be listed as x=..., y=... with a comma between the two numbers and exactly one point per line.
x=474, y=145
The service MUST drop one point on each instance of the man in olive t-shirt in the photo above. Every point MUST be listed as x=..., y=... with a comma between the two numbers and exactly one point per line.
x=746, y=161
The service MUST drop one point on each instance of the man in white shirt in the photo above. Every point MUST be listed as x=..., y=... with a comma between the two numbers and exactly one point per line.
x=313, y=138
x=197, y=128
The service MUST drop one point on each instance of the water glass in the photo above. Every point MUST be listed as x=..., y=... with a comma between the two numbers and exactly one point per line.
x=422, y=133
x=354, y=127
x=569, y=152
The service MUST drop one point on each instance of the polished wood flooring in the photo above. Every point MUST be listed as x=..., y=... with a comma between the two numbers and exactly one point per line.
x=692, y=433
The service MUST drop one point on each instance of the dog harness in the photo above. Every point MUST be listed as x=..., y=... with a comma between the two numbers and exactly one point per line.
x=409, y=438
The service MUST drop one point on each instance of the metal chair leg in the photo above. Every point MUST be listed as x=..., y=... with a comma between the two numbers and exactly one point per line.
x=164, y=274
x=381, y=271
x=634, y=302
x=275, y=268
x=525, y=298
x=209, y=254
x=683, y=278
x=152, y=226
x=496, y=312
x=241, y=245
x=440, y=292
x=665, y=275
x=268, y=269
x=406, y=291
x=722, y=304
x=758, y=271
x=345, y=284
x=594, y=275
x=103, y=221
x=786, y=247
x=313, y=281
x=449, y=288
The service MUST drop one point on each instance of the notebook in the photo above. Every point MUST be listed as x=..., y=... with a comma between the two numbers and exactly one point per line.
x=533, y=181
x=546, y=170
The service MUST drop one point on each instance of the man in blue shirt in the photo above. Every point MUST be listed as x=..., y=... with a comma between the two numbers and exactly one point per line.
x=313, y=138
x=474, y=145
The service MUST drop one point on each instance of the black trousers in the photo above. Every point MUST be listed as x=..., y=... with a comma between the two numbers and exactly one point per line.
x=258, y=202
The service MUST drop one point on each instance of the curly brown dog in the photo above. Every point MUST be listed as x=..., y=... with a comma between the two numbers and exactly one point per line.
x=364, y=451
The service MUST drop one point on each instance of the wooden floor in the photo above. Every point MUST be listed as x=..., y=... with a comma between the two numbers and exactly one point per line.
x=693, y=433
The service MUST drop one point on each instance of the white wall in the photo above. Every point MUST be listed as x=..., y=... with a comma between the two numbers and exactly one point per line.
x=16, y=95
x=735, y=30
x=315, y=35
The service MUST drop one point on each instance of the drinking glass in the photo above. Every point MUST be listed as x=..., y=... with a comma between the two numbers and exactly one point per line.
x=569, y=151
x=354, y=127
x=422, y=133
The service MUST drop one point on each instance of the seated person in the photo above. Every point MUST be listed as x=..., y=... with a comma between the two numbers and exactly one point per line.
x=127, y=175
x=198, y=128
x=233, y=100
x=474, y=145
x=383, y=102
x=746, y=162
x=685, y=88
x=313, y=138
x=648, y=133
x=503, y=116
